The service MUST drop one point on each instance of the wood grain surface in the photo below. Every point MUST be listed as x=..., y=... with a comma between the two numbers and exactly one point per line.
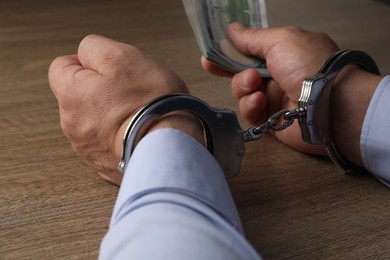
x=293, y=206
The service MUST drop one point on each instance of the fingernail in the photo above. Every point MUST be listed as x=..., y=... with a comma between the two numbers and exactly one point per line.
x=238, y=27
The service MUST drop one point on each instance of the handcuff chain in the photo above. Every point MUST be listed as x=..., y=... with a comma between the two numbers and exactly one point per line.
x=255, y=133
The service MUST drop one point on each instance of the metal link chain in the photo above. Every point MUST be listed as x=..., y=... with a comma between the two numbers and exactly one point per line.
x=255, y=133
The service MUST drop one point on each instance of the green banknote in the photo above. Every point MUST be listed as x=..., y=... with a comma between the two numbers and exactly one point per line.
x=210, y=20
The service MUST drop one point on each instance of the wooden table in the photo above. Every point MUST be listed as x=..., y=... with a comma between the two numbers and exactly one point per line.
x=293, y=206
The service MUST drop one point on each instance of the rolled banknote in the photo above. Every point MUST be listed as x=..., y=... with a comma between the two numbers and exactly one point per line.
x=210, y=20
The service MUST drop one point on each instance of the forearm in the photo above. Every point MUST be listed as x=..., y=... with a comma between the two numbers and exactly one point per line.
x=174, y=201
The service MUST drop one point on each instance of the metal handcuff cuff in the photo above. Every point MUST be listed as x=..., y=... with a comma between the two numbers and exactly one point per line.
x=224, y=136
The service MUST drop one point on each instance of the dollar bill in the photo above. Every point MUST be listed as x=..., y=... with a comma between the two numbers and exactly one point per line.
x=210, y=20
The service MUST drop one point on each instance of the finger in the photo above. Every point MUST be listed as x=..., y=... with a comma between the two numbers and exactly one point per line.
x=246, y=82
x=214, y=69
x=253, y=107
x=62, y=72
x=255, y=42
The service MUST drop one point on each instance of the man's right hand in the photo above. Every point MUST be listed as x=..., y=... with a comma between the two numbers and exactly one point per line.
x=293, y=54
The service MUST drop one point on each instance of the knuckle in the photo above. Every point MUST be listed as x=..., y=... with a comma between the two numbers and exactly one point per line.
x=293, y=29
x=106, y=50
x=54, y=72
x=89, y=38
x=55, y=64
x=118, y=54
x=290, y=33
x=119, y=61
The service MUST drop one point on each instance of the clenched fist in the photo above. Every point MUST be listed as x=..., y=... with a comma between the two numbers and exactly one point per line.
x=98, y=91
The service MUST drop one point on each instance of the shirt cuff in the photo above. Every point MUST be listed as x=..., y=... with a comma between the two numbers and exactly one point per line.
x=375, y=136
x=168, y=160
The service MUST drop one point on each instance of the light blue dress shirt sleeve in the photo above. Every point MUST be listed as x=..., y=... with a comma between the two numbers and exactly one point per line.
x=174, y=203
x=375, y=136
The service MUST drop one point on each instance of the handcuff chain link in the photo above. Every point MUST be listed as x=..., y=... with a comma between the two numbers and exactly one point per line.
x=255, y=133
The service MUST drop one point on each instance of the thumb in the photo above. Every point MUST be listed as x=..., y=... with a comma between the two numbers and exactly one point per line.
x=253, y=42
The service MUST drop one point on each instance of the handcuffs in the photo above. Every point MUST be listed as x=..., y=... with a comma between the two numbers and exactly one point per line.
x=225, y=139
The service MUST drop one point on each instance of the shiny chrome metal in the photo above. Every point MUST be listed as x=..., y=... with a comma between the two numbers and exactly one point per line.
x=315, y=98
x=273, y=123
x=224, y=136
x=315, y=94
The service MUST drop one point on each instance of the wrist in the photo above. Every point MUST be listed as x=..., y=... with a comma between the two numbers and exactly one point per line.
x=349, y=101
x=182, y=121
